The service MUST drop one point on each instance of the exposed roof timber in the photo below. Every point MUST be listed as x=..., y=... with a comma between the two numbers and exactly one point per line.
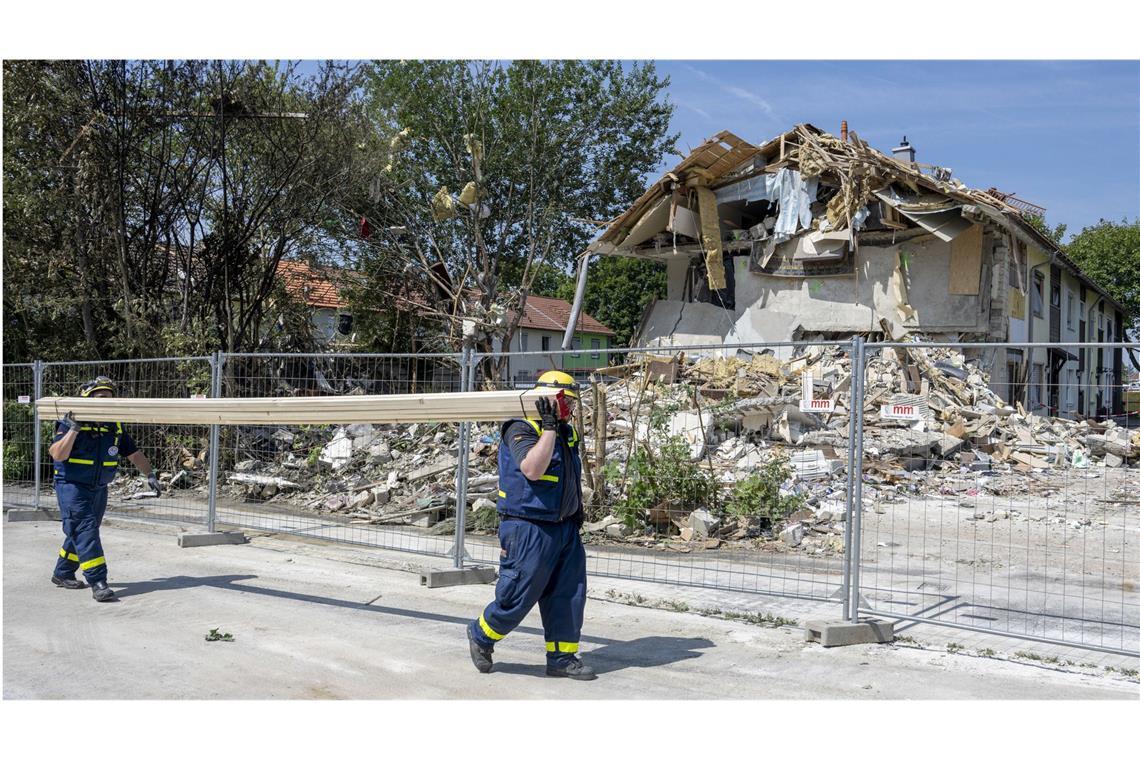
x=710, y=160
x=721, y=154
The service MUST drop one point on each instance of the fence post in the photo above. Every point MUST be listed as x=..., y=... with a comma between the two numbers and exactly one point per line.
x=856, y=399
x=856, y=506
x=37, y=392
x=216, y=362
x=461, y=469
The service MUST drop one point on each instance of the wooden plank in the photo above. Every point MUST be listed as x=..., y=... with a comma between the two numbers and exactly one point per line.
x=966, y=262
x=478, y=406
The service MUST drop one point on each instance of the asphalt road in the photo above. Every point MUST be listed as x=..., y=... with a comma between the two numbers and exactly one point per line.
x=325, y=622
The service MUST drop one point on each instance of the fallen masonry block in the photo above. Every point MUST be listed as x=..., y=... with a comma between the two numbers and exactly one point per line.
x=844, y=634
x=466, y=576
x=190, y=540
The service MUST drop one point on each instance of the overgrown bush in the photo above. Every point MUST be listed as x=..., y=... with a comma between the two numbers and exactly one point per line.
x=19, y=432
x=759, y=495
x=669, y=477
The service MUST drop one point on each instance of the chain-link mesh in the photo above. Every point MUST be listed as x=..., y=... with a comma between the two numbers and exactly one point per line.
x=386, y=486
x=19, y=433
x=1001, y=491
x=702, y=467
x=178, y=453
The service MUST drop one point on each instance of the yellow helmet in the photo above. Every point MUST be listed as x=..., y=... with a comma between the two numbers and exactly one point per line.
x=101, y=383
x=560, y=380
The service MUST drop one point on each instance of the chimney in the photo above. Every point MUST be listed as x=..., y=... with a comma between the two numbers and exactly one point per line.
x=904, y=152
x=843, y=130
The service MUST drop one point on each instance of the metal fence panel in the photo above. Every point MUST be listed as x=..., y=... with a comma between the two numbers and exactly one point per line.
x=385, y=486
x=19, y=434
x=702, y=467
x=179, y=453
x=991, y=502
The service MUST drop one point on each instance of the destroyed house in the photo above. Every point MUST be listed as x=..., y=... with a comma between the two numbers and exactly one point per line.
x=813, y=236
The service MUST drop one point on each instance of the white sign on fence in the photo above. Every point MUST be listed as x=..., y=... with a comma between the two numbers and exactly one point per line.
x=900, y=412
x=23, y=399
x=808, y=401
x=197, y=395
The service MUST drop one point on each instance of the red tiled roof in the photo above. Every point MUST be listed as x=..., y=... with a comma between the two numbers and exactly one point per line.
x=553, y=314
x=315, y=287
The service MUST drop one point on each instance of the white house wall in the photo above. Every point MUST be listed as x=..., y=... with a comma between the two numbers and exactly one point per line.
x=770, y=308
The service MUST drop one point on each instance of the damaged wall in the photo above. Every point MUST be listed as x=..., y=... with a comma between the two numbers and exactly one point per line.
x=771, y=308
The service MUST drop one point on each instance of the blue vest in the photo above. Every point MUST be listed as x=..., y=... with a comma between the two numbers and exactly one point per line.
x=94, y=458
x=538, y=499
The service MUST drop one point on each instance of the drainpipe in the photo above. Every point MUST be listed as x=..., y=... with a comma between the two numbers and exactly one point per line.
x=1029, y=351
x=576, y=309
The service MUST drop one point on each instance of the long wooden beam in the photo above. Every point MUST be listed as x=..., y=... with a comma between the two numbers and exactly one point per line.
x=478, y=406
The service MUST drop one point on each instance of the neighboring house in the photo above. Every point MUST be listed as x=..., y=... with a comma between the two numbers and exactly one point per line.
x=813, y=236
x=320, y=289
x=541, y=329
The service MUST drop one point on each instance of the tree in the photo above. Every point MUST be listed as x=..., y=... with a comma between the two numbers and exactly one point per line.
x=148, y=204
x=496, y=171
x=1053, y=233
x=1109, y=253
x=619, y=290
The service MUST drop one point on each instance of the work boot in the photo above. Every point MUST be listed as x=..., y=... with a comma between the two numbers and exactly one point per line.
x=101, y=591
x=571, y=668
x=480, y=655
x=67, y=582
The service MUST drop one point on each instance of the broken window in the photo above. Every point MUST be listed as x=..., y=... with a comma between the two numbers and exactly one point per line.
x=1035, y=379
x=344, y=324
x=697, y=288
x=1017, y=266
x=1038, y=296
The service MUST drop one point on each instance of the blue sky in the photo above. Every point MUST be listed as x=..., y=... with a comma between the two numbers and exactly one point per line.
x=1064, y=135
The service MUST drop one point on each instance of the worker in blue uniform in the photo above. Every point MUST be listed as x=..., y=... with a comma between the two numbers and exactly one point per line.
x=541, y=558
x=86, y=456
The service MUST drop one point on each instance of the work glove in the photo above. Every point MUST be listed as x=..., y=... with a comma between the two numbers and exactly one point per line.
x=71, y=422
x=152, y=481
x=548, y=410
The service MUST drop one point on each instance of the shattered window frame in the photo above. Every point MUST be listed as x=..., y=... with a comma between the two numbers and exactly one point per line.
x=1037, y=297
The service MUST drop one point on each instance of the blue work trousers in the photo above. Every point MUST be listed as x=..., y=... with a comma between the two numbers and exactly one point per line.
x=543, y=563
x=81, y=509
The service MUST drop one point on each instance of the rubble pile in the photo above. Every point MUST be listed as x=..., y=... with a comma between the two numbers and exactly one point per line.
x=956, y=440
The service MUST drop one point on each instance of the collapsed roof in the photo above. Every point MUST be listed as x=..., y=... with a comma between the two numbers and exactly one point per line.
x=854, y=180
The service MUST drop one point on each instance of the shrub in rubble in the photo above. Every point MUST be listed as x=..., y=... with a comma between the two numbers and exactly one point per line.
x=759, y=495
x=19, y=448
x=668, y=477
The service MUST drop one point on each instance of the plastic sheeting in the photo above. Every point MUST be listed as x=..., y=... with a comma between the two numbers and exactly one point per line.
x=786, y=187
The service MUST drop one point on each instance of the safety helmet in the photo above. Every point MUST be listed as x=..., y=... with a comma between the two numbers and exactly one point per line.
x=560, y=380
x=101, y=383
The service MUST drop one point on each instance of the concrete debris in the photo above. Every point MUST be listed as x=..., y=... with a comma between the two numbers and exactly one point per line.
x=793, y=535
x=702, y=523
x=933, y=430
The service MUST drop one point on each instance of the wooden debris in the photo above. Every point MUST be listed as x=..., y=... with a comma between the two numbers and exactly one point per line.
x=328, y=410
